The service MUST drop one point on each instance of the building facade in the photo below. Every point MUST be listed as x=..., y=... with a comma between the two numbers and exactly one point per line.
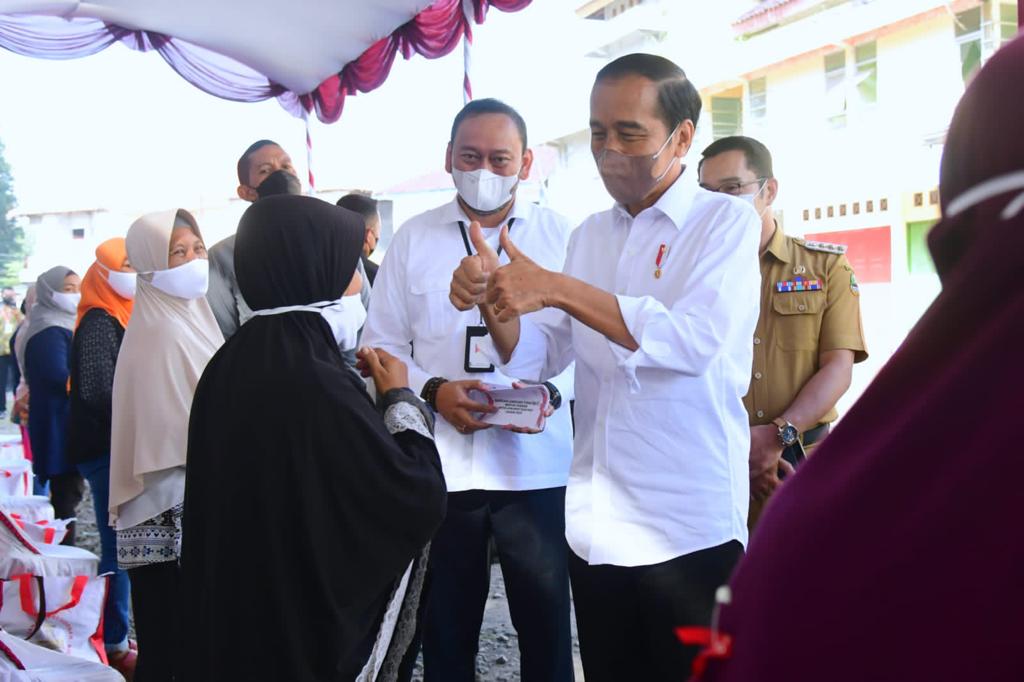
x=853, y=97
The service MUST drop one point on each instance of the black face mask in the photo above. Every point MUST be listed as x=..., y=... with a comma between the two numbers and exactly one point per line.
x=9, y=300
x=279, y=182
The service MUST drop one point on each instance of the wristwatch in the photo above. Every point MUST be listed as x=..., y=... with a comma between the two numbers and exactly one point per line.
x=787, y=432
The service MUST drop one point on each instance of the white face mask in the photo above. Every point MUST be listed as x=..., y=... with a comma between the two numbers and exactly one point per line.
x=67, y=301
x=123, y=283
x=188, y=281
x=752, y=199
x=483, y=190
x=345, y=317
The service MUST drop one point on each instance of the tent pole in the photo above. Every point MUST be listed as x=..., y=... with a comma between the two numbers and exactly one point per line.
x=309, y=154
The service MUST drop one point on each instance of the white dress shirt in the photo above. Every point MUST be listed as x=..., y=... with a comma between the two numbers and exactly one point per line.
x=661, y=454
x=411, y=317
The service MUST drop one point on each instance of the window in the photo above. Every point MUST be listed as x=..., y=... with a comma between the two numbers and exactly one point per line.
x=981, y=30
x=968, y=37
x=758, y=103
x=726, y=116
x=866, y=59
x=919, y=260
x=1007, y=22
x=78, y=233
x=835, y=89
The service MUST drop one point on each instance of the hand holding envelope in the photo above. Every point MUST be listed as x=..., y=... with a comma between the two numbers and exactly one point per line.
x=523, y=408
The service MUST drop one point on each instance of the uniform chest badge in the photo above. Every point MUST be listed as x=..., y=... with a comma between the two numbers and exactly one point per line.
x=798, y=284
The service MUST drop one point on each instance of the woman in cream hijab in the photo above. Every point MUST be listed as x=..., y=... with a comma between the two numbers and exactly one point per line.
x=171, y=336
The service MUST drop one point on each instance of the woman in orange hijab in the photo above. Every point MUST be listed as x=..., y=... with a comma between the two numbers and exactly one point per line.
x=108, y=290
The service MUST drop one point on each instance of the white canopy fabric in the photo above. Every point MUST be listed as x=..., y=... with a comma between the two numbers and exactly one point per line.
x=310, y=54
x=297, y=44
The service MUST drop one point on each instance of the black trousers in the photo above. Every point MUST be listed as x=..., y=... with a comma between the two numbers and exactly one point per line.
x=8, y=368
x=529, y=531
x=626, y=616
x=66, y=492
x=156, y=604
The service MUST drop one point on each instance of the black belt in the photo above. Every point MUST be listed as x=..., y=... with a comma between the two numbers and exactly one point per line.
x=814, y=435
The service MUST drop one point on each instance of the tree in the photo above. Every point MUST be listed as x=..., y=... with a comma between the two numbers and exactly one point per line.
x=12, y=237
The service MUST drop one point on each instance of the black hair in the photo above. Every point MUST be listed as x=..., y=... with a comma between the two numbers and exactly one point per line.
x=678, y=99
x=362, y=204
x=243, y=160
x=759, y=159
x=478, y=107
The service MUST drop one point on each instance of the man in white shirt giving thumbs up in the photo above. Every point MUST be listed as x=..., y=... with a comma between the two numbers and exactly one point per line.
x=501, y=484
x=657, y=305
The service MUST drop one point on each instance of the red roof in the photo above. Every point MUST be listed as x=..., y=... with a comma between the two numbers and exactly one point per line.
x=769, y=12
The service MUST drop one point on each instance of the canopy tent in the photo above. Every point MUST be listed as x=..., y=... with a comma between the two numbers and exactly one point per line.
x=309, y=54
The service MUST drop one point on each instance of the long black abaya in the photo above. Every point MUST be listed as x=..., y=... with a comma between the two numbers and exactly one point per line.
x=302, y=512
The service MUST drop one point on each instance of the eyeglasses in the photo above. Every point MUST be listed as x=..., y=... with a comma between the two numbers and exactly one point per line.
x=733, y=188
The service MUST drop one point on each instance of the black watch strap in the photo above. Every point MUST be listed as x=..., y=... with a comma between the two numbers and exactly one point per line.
x=555, y=394
x=429, y=392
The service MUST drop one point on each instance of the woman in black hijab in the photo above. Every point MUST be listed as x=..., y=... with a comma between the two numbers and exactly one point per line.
x=307, y=512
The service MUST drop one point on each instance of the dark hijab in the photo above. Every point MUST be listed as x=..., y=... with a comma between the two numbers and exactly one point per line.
x=895, y=553
x=301, y=510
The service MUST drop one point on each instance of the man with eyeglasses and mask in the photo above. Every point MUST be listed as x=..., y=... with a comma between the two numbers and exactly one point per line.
x=502, y=484
x=264, y=169
x=656, y=304
x=809, y=333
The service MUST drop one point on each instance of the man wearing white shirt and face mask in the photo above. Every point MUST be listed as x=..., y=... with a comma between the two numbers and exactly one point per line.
x=657, y=305
x=505, y=485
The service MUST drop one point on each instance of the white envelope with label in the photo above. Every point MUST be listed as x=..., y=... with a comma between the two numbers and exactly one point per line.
x=517, y=407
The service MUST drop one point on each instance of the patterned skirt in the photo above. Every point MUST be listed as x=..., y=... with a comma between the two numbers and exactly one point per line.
x=153, y=541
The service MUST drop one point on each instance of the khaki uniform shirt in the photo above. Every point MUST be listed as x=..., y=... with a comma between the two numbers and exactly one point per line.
x=810, y=303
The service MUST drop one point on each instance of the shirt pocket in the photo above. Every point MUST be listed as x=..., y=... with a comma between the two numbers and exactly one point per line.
x=798, y=319
x=431, y=310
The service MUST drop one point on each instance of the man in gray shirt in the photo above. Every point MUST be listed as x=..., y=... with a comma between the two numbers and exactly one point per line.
x=264, y=169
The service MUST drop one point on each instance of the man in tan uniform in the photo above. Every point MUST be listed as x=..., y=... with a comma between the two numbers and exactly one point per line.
x=809, y=333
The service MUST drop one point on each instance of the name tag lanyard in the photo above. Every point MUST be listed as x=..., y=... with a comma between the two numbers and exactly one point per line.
x=475, y=360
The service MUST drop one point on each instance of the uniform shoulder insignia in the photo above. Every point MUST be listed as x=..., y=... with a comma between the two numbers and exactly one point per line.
x=827, y=247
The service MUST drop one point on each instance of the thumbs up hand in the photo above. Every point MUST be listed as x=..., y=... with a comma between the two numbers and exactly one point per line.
x=520, y=287
x=469, y=281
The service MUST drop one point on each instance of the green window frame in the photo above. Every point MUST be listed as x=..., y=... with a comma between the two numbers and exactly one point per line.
x=726, y=117
x=758, y=96
x=919, y=258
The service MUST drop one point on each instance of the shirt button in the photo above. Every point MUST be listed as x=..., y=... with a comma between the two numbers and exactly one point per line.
x=757, y=375
x=760, y=413
x=801, y=307
x=756, y=341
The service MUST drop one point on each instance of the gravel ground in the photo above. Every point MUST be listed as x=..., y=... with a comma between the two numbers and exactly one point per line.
x=498, y=660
